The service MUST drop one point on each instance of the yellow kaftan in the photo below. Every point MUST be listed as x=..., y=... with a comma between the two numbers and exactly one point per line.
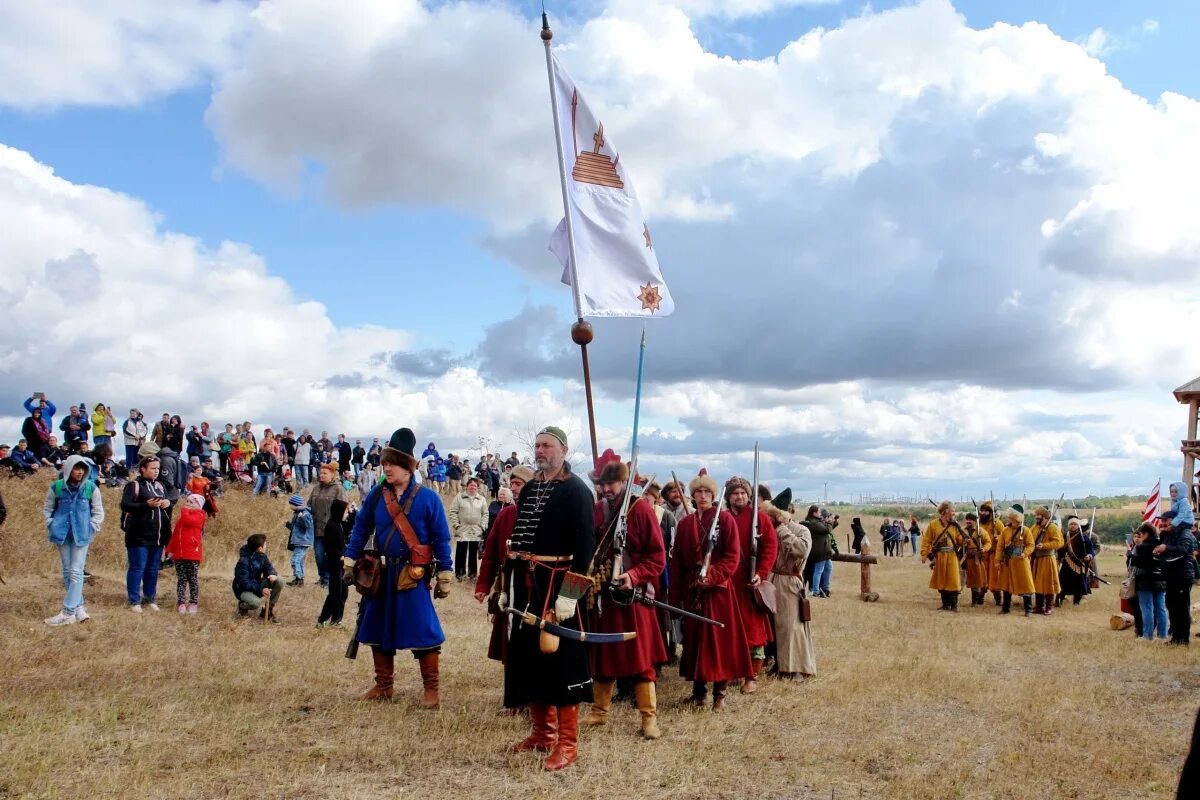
x=940, y=549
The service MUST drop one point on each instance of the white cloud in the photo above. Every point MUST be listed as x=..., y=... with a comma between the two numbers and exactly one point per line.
x=111, y=52
x=135, y=315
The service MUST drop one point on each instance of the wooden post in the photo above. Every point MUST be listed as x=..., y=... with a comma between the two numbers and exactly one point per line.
x=1189, y=460
x=864, y=561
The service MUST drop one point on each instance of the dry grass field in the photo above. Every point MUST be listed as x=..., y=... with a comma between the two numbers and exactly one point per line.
x=908, y=703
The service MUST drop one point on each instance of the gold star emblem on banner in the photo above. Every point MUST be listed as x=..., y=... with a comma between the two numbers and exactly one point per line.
x=650, y=297
x=646, y=236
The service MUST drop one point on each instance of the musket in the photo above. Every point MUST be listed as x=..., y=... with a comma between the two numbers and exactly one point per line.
x=714, y=533
x=626, y=597
x=754, y=534
x=570, y=633
x=352, y=647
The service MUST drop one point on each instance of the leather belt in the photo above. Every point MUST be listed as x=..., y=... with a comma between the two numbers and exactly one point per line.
x=1013, y=551
x=1040, y=553
x=944, y=550
x=541, y=559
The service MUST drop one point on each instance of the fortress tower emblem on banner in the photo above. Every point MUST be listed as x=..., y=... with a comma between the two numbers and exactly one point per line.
x=593, y=166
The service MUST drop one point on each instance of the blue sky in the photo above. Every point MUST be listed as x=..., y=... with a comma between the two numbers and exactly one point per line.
x=164, y=153
x=824, y=216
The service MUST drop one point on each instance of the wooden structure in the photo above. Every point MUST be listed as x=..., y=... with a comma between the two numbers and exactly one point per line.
x=1189, y=395
x=864, y=561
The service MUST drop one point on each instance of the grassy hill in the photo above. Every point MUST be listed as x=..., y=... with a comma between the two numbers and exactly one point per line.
x=908, y=703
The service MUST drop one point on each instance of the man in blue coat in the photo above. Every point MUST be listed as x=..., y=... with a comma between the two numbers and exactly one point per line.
x=401, y=616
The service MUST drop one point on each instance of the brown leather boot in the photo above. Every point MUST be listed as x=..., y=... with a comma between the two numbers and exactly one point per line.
x=385, y=672
x=750, y=685
x=566, y=750
x=720, y=689
x=544, y=733
x=647, y=703
x=429, y=679
x=602, y=694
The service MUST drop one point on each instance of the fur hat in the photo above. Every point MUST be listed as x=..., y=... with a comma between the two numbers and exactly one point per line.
x=972, y=515
x=399, y=450
x=609, y=468
x=703, y=481
x=735, y=483
x=1018, y=511
x=1042, y=511
x=945, y=506
x=521, y=472
x=988, y=505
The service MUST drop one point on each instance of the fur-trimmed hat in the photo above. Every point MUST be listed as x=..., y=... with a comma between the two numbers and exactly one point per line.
x=521, y=472
x=609, y=468
x=988, y=505
x=399, y=450
x=735, y=483
x=945, y=506
x=1042, y=511
x=703, y=481
x=1016, y=510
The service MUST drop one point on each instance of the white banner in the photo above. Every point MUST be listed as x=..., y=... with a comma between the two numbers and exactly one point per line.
x=614, y=254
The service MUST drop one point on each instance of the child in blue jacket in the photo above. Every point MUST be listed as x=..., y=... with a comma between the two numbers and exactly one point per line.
x=301, y=538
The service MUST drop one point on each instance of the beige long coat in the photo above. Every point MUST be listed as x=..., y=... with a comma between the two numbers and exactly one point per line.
x=793, y=639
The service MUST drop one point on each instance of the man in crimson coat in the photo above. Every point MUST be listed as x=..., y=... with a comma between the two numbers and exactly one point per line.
x=756, y=621
x=709, y=653
x=642, y=562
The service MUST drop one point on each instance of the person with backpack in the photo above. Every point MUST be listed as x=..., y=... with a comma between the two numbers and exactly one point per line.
x=73, y=512
x=146, y=521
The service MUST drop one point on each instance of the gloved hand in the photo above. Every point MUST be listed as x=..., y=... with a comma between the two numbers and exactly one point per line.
x=564, y=608
x=442, y=590
x=347, y=572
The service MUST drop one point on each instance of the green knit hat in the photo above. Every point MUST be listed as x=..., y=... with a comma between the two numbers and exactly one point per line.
x=556, y=432
x=783, y=500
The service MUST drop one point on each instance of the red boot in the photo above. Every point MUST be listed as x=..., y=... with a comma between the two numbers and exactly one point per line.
x=566, y=751
x=545, y=730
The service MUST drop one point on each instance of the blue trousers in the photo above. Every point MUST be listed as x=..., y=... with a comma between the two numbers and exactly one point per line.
x=298, y=554
x=1154, y=613
x=141, y=579
x=74, y=558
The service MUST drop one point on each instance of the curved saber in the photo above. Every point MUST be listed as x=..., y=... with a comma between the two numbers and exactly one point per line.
x=571, y=633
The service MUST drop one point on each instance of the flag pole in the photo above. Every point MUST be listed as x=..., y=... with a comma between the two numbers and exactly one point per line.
x=581, y=331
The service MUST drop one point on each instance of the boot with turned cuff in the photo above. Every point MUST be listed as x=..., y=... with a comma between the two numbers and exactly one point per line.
x=566, y=750
x=429, y=678
x=545, y=730
x=385, y=672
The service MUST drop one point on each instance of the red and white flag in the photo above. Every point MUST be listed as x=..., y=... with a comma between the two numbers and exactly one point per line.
x=1151, y=510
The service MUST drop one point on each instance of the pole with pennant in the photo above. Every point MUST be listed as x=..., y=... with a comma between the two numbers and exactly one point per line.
x=581, y=332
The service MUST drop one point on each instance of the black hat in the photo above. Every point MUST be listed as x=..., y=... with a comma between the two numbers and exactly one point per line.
x=783, y=500
x=399, y=450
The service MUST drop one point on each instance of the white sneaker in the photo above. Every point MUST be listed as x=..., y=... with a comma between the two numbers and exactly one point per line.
x=61, y=618
x=81, y=615
x=153, y=606
x=136, y=608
